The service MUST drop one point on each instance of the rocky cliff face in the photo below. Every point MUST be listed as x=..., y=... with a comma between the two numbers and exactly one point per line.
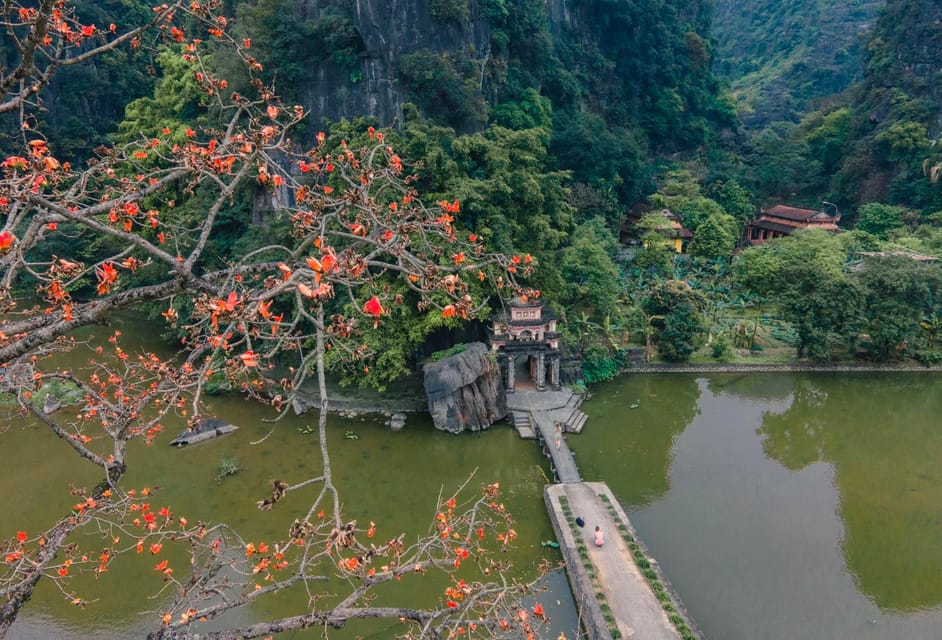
x=903, y=71
x=389, y=30
x=465, y=391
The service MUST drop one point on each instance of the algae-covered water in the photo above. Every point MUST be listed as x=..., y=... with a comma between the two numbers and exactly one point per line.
x=780, y=506
x=390, y=478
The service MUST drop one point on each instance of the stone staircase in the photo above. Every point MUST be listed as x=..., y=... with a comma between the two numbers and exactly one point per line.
x=576, y=419
x=560, y=406
x=521, y=422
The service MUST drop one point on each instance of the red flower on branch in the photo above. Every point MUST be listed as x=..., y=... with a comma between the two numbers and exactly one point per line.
x=249, y=359
x=373, y=307
x=6, y=240
x=107, y=276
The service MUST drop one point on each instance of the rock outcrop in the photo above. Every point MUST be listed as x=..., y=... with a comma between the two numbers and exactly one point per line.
x=387, y=31
x=464, y=391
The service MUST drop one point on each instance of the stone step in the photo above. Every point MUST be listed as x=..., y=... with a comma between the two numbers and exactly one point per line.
x=576, y=422
x=526, y=433
x=582, y=421
x=519, y=418
x=573, y=417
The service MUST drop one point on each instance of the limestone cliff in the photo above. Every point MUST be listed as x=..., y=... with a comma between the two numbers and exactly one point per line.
x=465, y=391
x=388, y=30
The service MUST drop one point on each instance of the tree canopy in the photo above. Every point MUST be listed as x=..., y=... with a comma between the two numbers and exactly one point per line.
x=135, y=226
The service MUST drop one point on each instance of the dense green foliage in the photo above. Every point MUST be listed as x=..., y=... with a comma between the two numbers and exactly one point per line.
x=550, y=130
x=782, y=56
x=877, y=142
x=675, y=311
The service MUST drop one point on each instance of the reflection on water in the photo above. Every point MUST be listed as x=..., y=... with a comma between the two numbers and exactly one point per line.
x=885, y=448
x=787, y=506
x=629, y=439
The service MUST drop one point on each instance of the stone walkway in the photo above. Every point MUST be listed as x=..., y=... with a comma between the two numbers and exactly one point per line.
x=564, y=464
x=636, y=611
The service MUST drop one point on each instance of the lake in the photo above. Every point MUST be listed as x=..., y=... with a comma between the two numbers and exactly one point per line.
x=391, y=478
x=782, y=506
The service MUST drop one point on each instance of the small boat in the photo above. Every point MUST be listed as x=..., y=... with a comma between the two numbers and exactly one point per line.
x=206, y=429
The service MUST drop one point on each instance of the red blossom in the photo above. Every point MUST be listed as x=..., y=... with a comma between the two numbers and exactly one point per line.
x=107, y=276
x=249, y=359
x=450, y=207
x=373, y=307
x=6, y=240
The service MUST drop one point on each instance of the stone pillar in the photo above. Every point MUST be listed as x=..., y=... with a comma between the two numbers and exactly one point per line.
x=510, y=374
x=554, y=373
x=541, y=372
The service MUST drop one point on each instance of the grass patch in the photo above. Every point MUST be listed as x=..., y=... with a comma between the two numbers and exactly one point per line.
x=444, y=353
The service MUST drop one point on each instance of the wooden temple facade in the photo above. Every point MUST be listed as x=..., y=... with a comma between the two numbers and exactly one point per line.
x=780, y=221
x=527, y=328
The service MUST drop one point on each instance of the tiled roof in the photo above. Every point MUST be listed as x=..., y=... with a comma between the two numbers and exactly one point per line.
x=790, y=213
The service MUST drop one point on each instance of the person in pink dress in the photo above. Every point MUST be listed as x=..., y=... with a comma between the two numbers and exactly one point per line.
x=599, y=538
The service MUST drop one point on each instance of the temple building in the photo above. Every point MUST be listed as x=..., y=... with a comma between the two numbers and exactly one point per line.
x=780, y=221
x=527, y=329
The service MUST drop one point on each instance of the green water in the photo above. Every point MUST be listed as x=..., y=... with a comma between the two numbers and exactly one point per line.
x=783, y=506
x=780, y=506
x=391, y=478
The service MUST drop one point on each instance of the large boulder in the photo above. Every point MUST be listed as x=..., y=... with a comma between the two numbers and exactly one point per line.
x=465, y=392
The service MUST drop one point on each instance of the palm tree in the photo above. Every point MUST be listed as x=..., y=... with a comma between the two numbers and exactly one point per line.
x=932, y=324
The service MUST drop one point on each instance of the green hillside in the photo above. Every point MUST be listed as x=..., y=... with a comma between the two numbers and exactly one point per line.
x=782, y=57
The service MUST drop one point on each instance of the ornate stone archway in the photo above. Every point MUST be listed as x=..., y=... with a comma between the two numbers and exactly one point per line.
x=527, y=328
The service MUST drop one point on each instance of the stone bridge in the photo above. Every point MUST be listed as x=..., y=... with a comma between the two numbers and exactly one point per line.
x=615, y=595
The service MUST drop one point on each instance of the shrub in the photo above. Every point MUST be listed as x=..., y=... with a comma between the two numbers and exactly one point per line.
x=720, y=348
x=227, y=467
x=456, y=11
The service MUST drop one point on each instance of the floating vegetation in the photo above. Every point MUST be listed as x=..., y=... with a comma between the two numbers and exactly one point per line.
x=227, y=467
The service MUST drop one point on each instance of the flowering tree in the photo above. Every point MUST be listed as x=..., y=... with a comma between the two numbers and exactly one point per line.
x=131, y=227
